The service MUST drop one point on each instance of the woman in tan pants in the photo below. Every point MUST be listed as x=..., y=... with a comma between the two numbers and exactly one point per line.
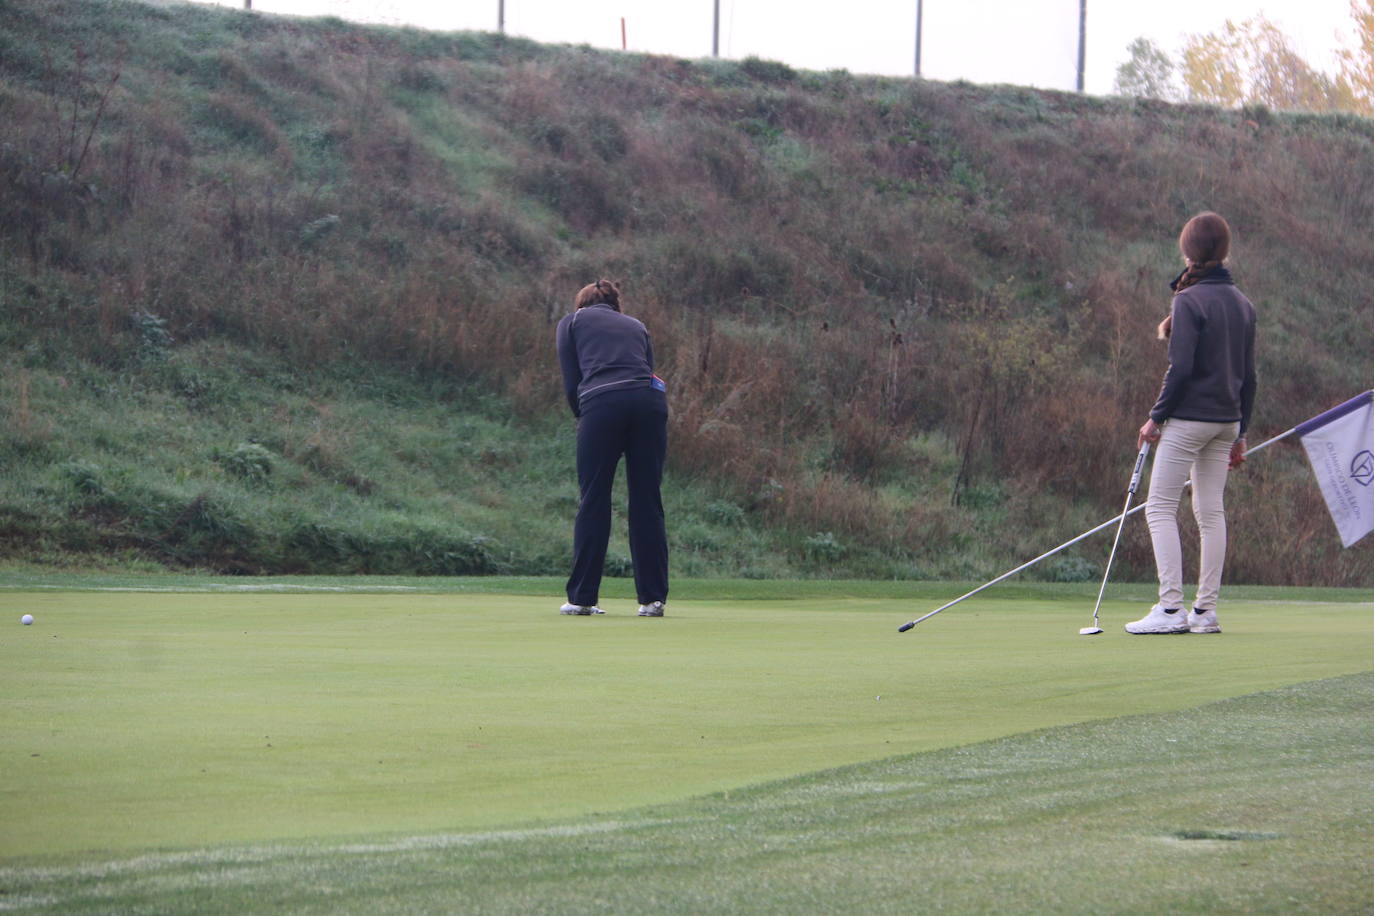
x=1198, y=423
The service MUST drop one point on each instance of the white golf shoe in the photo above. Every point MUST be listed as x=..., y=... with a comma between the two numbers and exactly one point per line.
x=652, y=609
x=1160, y=621
x=1203, y=621
x=580, y=610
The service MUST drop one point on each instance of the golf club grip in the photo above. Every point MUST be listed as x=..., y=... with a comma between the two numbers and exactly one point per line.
x=906, y=626
x=1139, y=466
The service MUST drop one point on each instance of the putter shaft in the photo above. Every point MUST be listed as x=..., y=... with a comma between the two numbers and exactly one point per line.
x=1125, y=511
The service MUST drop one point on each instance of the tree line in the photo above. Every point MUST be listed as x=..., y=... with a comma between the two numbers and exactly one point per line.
x=1255, y=63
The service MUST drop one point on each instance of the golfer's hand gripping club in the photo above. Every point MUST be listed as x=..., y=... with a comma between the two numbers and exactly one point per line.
x=1139, y=466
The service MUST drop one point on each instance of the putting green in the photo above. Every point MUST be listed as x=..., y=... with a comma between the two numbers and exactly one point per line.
x=139, y=720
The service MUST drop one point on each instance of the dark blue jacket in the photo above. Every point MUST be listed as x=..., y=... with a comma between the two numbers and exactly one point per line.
x=601, y=350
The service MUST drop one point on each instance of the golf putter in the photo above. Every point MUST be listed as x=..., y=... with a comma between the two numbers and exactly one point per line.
x=1125, y=510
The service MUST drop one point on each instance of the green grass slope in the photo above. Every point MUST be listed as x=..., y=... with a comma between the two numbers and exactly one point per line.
x=277, y=295
x=226, y=459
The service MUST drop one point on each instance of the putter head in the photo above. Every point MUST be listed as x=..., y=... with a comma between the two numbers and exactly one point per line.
x=1089, y=631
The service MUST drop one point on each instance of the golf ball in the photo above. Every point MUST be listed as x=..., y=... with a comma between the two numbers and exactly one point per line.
x=26, y=619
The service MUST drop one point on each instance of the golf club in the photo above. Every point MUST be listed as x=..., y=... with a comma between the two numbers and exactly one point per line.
x=1125, y=511
x=1067, y=544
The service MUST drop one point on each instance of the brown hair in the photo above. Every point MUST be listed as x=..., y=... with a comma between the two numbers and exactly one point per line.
x=1205, y=242
x=599, y=293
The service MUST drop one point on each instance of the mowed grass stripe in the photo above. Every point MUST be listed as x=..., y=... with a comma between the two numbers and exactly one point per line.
x=1256, y=804
x=140, y=721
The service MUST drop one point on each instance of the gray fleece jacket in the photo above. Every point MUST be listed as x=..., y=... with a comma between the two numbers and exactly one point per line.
x=601, y=350
x=1211, y=375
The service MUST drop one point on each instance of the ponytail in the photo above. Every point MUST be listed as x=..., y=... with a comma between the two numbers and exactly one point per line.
x=1195, y=272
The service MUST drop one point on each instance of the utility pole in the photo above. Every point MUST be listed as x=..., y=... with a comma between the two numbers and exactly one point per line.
x=715, y=33
x=919, y=4
x=1082, y=40
x=501, y=16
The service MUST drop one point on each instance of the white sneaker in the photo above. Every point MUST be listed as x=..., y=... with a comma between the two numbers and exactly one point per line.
x=1160, y=621
x=652, y=609
x=580, y=610
x=1203, y=621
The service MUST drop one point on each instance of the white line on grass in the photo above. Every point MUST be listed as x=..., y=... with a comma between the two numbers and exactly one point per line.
x=264, y=855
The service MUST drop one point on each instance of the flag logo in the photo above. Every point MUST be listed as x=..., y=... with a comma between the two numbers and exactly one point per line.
x=1362, y=468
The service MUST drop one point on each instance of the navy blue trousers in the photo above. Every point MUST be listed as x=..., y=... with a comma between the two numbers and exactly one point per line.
x=632, y=422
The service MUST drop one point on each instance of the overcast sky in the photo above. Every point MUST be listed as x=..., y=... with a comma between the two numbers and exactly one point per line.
x=1028, y=42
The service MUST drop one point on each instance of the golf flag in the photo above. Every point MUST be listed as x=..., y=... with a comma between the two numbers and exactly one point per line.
x=1340, y=445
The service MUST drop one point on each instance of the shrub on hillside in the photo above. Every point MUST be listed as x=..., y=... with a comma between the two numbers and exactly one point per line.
x=1069, y=568
x=248, y=461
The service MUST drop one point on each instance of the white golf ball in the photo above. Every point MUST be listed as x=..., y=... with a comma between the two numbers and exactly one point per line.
x=26, y=619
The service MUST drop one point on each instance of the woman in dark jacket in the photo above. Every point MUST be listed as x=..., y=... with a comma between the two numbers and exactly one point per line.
x=1198, y=423
x=622, y=409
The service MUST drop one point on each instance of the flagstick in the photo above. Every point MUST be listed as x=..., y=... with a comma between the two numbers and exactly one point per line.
x=1107, y=524
x=1265, y=444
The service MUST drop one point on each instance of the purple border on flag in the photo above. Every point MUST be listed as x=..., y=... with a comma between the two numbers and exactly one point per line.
x=1334, y=413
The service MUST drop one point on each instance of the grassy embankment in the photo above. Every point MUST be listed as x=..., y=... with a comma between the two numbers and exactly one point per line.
x=277, y=295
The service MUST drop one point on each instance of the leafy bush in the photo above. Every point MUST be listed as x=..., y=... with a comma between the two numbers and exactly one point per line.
x=618, y=566
x=694, y=536
x=724, y=512
x=247, y=461
x=84, y=480
x=154, y=340
x=1069, y=568
x=822, y=547
x=767, y=71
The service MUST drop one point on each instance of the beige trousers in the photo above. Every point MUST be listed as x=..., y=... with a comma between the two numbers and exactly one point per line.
x=1190, y=448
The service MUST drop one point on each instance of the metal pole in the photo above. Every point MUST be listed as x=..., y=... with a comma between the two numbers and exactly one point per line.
x=715, y=33
x=1049, y=553
x=919, y=5
x=1082, y=40
x=501, y=16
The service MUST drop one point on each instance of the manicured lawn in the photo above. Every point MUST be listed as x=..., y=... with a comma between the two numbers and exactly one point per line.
x=301, y=735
